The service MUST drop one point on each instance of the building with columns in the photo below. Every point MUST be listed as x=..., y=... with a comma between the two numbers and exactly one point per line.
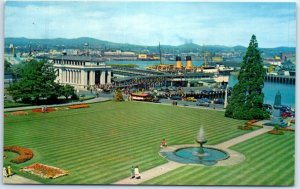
x=81, y=71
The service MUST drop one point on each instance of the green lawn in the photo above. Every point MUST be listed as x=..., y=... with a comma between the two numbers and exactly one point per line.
x=269, y=161
x=98, y=145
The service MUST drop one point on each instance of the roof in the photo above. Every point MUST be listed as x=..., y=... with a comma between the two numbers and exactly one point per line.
x=77, y=58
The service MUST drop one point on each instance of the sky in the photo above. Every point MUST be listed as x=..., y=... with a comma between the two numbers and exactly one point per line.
x=148, y=23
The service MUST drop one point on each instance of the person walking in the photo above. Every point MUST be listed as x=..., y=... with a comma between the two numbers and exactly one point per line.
x=132, y=172
x=137, y=172
x=9, y=171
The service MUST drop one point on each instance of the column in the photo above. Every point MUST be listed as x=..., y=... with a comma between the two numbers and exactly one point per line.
x=60, y=75
x=92, y=77
x=102, y=77
x=71, y=76
x=67, y=76
x=109, y=77
x=74, y=76
x=83, y=77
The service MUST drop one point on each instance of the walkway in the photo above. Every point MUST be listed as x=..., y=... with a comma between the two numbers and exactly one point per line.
x=235, y=157
x=16, y=179
x=243, y=138
x=100, y=99
x=151, y=173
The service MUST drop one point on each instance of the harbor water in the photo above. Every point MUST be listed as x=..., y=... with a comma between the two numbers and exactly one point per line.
x=288, y=91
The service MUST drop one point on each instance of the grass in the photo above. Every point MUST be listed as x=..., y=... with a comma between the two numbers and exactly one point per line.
x=269, y=162
x=9, y=104
x=98, y=145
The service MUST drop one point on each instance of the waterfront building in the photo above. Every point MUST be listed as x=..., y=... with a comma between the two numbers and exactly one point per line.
x=82, y=72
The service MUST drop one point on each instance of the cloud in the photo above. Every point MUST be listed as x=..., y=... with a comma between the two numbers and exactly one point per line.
x=149, y=23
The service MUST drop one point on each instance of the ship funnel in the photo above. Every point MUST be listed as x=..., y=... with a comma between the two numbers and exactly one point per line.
x=189, y=64
x=178, y=63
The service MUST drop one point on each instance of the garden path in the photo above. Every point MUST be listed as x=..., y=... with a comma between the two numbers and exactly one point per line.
x=17, y=179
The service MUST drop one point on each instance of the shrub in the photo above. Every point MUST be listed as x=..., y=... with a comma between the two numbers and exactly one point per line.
x=25, y=154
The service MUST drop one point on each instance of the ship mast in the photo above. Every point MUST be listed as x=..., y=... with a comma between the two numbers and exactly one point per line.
x=204, y=56
x=159, y=52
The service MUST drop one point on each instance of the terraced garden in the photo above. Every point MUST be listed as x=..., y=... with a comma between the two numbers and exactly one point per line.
x=98, y=145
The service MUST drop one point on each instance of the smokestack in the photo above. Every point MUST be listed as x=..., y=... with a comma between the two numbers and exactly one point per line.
x=178, y=63
x=189, y=64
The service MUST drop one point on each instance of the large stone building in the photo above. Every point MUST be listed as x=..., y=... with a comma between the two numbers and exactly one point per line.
x=81, y=71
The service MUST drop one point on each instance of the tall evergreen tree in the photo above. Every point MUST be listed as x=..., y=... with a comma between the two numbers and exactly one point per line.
x=247, y=98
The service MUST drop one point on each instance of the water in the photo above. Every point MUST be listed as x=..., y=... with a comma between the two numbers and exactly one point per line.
x=270, y=89
x=144, y=64
x=191, y=155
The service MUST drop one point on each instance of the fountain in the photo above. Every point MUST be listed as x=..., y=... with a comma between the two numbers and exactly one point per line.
x=195, y=154
x=201, y=140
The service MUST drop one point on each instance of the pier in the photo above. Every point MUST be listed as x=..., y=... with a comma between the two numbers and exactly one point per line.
x=281, y=79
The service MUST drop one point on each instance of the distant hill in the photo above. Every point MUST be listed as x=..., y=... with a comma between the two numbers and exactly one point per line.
x=63, y=43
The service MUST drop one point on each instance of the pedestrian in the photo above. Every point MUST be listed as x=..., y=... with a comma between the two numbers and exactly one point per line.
x=137, y=172
x=132, y=172
x=163, y=143
x=9, y=171
x=4, y=172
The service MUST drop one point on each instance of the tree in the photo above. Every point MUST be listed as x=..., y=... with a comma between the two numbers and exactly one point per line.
x=7, y=67
x=37, y=81
x=118, y=95
x=67, y=91
x=246, y=101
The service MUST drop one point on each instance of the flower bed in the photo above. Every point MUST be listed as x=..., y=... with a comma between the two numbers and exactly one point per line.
x=45, y=171
x=246, y=127
x=78, y=106
x=276, y=132
x=25, y=154
x=19, y=113
x=39, y=110
x=250, y=122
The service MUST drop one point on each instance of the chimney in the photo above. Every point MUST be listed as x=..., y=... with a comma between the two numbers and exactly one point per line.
x=189, y=64
x=178, y=63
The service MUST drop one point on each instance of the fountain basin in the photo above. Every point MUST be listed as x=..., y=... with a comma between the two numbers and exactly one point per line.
x=191, y=155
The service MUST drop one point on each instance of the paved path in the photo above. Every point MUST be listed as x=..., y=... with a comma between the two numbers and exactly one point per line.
x=16, y=179
x=235, y=157
x=151, y=173
x=100, y=99
x=243, y=138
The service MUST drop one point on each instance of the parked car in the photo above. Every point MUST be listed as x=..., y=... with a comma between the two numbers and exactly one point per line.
x=172, y=88
x=191, y=99
x=205, y=99
x=175, y=98
x=155, y=100
x=202, y=103
x=219, y=101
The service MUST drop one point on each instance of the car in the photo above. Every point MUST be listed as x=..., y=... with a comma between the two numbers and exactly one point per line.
x=288, y=114
x=172, y=88
x=175, y=97
x=205, y=99
x=191, y=99
x=219, y=101
x=155, y=100
x=202, y=103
